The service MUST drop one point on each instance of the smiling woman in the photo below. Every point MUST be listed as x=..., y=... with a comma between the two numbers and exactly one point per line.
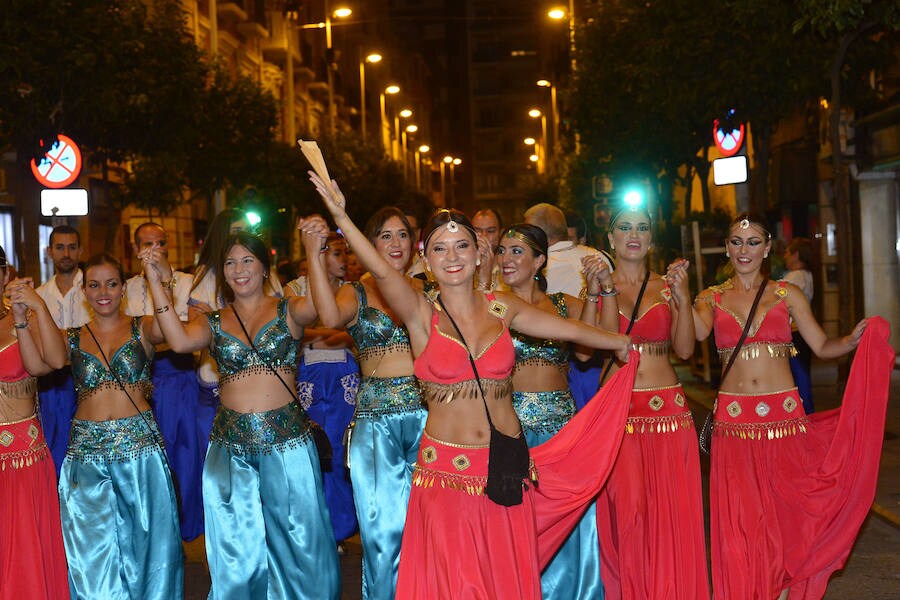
x=800, y=484
x=473, y=459
x=267, y=527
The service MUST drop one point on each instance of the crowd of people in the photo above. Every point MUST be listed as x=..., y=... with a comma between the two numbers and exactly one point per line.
x=493, y=408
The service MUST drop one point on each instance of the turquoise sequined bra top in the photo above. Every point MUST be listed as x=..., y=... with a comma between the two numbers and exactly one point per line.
x=130, y=362
x=235, y=358
x=531, y=352
x=374, y=333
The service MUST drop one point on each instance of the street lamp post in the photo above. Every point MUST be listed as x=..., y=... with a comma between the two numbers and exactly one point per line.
x=423, y=149
x=404, y=152
x=371, y=58
x=554, y=114
x=339, y=13
x=453, y=164
x=385, y=125
x=396, y=147
x=447, y=160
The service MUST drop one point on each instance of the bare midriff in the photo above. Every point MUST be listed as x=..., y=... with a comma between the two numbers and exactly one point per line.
x=109, y=402
x=463, y=421
x=389, y=364
x=252, y=393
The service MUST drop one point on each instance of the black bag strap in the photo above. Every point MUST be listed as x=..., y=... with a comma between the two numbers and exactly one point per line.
x=747, y=325
x=471, y=359
x=634, y=314
x=275, y=372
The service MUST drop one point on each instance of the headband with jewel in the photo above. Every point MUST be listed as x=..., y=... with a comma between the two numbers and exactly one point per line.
x=513, y=233
x=452, y=225
x=744, y=221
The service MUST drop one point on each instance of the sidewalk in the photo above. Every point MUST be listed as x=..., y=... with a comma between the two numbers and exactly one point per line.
x=826, y=395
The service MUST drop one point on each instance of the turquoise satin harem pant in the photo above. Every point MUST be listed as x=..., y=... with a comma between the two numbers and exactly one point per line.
x=268, y=533
x=119, y=516
x=387, y=429
x=574, y=572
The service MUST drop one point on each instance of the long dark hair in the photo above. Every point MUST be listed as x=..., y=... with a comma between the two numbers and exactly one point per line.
x=257, y=248
x=535, y=238
x=218, y=232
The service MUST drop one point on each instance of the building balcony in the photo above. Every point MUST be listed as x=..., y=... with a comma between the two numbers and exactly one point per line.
x=231, y=12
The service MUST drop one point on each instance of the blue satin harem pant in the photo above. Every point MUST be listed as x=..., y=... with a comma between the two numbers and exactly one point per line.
x=268, y=534
x=119, y=516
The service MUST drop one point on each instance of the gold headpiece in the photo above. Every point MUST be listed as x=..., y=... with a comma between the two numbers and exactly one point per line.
x=516, y=234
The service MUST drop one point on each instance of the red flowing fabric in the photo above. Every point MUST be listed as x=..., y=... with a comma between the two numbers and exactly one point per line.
x=458, y=544
x=784, y=512
x=650, y=512
x=32, y=558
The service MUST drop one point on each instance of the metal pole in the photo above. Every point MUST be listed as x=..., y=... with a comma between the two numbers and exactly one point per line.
x=443, y=183
x=362, y=97
x=385, y=128
x=452, y=184
x=329, y=74
x=403, y=155
x=418, y=177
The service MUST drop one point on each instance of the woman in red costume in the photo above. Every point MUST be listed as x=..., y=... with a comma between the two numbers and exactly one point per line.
x=788, y=492
x=650, y=513
x=32, y=557
x=457, y=542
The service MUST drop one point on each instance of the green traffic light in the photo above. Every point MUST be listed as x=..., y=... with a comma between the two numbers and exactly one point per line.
x=253, y=218
x=633, y=199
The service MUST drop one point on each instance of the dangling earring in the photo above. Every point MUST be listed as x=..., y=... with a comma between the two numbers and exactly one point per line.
x=478, y=262
x=612, y=246
x=536, y=277
x=766, y=255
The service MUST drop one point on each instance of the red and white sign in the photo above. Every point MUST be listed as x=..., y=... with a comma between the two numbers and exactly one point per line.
x=60, y=166
x=728, y=142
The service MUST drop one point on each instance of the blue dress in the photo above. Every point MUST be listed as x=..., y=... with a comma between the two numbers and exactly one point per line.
x=268, y=533
x=387, y=428
x=117, y=501
x=574, y=573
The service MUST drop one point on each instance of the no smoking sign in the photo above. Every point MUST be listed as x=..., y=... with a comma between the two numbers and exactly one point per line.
x=60, y=166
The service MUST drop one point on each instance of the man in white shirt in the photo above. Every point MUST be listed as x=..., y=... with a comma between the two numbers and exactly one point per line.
x=175, y=387
x=564, y=258
x=64, y=296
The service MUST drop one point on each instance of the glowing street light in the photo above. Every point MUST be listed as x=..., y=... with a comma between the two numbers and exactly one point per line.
x=534, y=158
x=406, y=113
x=557, y=13
x=448, y=159
x=342, y=12
x=529, y=141
x=554, y=113
x=392, y=89
x=535, y=113
x=410, y=129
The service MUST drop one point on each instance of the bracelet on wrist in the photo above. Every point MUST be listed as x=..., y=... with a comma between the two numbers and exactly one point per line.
x=610, y=291
x=162, y=309
x=23, y=325
x=169, y=284
x=595, y=299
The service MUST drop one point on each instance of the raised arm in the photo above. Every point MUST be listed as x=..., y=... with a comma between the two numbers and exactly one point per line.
x=181, y=337
x=535, y=322
x=334, y=312
x=403, y=299
x=41, y=343
x=812, y=332
x=683, y=330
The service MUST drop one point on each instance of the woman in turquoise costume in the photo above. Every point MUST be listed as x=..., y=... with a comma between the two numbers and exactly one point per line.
x=389, y=414
x=268, y=533
x=117, y=500
x=542, y=399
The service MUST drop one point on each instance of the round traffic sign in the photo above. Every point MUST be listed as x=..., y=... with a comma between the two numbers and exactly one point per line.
x=60, y=166
x=728, y=142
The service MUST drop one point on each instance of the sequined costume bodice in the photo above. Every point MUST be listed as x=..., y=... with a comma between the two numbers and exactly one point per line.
x=130, y=362
x=537, y=352
x=11, y=366
x=444, y=369
x=771, y=331
x=274, y=341
x=654, y=325
x=374, y=333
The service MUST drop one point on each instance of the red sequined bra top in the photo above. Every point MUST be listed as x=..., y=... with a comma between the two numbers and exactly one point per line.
x=652, y=329
x=11, y=367
x=771, y=332
x=444, y=370
x=15, y=382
